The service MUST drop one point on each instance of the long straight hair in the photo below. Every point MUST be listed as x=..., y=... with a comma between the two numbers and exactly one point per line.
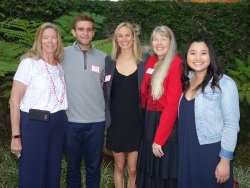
x=116, y=50
x=162, y=66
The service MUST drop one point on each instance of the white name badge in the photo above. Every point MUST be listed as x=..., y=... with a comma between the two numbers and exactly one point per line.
x=95, y=69
x=107, y=78
x=150, y=71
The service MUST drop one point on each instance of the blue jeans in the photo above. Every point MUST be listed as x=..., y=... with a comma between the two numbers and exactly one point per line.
x=84, y=139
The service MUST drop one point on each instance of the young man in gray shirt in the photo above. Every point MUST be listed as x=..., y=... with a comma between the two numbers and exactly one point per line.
x=84, y=72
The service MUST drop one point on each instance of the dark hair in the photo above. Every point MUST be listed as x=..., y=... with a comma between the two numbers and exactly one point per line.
x=82, y=17
x=214, y=70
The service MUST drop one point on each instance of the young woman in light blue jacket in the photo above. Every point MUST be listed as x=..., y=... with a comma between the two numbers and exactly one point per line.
x=208, y=120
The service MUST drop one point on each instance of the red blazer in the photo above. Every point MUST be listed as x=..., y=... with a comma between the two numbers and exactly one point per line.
x=168, y=102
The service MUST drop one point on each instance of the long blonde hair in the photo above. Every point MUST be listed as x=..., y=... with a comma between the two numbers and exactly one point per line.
x=36, y=51
x=162, y=66
x=116, y=50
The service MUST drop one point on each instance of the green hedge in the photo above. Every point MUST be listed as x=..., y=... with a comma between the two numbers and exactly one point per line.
x=45, y=10
x=227, y=24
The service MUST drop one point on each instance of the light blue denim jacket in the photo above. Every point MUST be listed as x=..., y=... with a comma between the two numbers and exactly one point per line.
x=217, y=115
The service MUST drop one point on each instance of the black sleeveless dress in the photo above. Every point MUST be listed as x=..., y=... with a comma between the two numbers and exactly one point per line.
x=125, y=131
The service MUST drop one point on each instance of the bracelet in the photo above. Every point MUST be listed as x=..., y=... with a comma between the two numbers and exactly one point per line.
x=15, y=136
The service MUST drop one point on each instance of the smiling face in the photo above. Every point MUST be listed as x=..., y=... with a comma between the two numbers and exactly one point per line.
x=160, y=45
x=49, y=41
x=198, y=57
x=84, y=33
x=125, y=38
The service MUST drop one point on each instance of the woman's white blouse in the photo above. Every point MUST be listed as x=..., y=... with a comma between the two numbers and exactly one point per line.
x=40, y=93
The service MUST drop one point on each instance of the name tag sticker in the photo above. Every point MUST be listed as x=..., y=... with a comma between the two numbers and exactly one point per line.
x=150, y=71
x=95, y=69
x=107, y=78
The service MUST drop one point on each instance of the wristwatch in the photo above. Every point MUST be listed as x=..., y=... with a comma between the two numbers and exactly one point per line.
x=15, y=136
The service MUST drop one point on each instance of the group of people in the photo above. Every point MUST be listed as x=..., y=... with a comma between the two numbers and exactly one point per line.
x=170, y=122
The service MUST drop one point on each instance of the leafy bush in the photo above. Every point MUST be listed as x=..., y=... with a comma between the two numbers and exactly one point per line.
x=227, y=24
x=45, y=10
x=65, y=24
x=241, y=75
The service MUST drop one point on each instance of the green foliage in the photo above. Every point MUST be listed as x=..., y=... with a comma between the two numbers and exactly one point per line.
x=21, y=31
x=104, y=45
x=65, y=24
x=45, y=10
x=9, y=54
x=241, y=75
x=5, y=89
x=19, y=36
x=227, y=24
x=6, y=67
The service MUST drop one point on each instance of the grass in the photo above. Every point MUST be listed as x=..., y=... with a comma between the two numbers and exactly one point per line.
x=9, y=164
x=243, y=176
x=106, y=174
x=9, y=171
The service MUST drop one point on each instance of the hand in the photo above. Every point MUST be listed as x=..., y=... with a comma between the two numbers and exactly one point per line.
x=157, y=150
x=16, y=146
x=222, y=171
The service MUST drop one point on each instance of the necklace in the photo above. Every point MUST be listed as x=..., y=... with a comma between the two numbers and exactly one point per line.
x=54, y=87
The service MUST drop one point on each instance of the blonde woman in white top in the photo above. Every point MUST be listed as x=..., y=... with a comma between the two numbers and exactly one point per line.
x=37, y=106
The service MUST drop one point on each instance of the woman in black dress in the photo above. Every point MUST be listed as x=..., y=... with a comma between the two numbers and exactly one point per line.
x=124, y=71
x=160, y=94
x=208, y=120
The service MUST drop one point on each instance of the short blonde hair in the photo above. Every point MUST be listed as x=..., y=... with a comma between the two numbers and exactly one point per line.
x=116, y=50
x=36, y=51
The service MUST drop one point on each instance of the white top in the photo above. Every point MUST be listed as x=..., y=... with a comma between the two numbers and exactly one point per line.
x=40, y=93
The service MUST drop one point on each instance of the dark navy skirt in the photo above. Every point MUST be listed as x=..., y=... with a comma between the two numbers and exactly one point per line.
x=155, y=172
x=196, y=163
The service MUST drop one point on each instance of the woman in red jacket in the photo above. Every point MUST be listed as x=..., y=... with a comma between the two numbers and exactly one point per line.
x=160, y=93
